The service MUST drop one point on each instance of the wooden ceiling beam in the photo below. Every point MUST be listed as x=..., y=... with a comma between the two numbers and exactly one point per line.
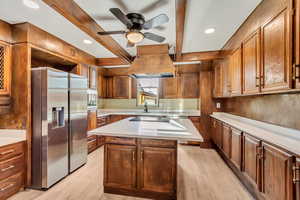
x=71, y=11
x=180, y=21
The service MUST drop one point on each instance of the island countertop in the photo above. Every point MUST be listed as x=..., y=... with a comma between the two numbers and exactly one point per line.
x=149, y=130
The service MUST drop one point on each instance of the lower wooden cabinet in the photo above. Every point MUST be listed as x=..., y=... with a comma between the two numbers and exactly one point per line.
x=226, y=142
x=140, y=167
x=158, y=169
x=251, y=161
x=297, y=178
x=92, y=143
x=217, y=133
x=120, y=166
x=92, y=119
x=236, y=147
x=277, y=174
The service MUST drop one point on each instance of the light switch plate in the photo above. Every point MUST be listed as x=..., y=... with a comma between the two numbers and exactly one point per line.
x=218, y=105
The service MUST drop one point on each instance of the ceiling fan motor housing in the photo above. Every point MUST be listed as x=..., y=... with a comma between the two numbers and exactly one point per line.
x=137, y=19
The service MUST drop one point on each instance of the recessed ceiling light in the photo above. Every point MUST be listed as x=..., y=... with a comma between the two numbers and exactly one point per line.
x=209, y=30
x=87, y=42
x=31, y=4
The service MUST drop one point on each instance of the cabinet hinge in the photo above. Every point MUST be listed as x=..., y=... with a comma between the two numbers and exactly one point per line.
x=296, y=71
x=296, y=174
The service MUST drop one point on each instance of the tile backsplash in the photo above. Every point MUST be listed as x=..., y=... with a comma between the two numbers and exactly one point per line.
x=164, y=104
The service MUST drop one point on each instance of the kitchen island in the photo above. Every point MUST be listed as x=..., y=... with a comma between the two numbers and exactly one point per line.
x=141, y=155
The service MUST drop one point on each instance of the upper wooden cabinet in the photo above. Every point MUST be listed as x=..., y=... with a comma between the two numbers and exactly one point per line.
x=251, y=64
x=188, y=85
x=276, y=52
x=225, y=73
x=5, y=69
x=109, y=82
x=236, y=72
x=121, y=87
x=217, y=90
x=93, y=78
x=169, y=87
x=101, y=86
x=277, y=174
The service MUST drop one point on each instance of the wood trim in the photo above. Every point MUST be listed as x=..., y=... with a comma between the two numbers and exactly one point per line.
x=201, y=56
x=110, y=61
x=180, y=21
x=7, y=69
x=5, y=32
x=71, y=11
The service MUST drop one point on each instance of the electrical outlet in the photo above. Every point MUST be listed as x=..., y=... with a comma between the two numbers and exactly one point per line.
x=218, y=105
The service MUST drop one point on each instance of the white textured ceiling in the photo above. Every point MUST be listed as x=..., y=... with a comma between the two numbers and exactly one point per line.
x=223, y=15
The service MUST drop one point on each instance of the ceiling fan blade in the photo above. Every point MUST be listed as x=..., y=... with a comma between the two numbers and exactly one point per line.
x=154, y=37
x=104, y=18
x=111, y=32
x=154, y=5
x=156, y=21
x=121, y=16
x=130, y=44
x=121, y=5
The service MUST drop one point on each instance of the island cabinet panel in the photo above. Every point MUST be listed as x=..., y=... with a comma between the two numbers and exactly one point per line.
x=251, y=64
x=120, y=166
x=276, y=53
x=121, y=87
x=188, y=85
x=169, y=87
x=158, y=169
x=251, y=161
x=236, y=72
x=226, y=147
x=277, y=174
x=236, y=147
x=297, y=179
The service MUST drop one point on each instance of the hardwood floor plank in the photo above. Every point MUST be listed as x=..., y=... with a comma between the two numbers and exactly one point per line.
x=202, y=175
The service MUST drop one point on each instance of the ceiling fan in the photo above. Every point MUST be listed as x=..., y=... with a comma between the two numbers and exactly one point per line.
x=135, y=22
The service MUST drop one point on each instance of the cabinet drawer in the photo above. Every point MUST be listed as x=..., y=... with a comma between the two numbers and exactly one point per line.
x=11, y=185
x=92, y=137
x=11, y=166
x=120, y=140
x=10, y=151
x=92, y=145
x=158, y=143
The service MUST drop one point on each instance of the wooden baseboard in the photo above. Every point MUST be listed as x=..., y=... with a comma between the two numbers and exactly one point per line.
x=139, y=193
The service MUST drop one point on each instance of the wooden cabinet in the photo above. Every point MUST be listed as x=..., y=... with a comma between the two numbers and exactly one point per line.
x=236, y=148
x=12, y=169
x=277, y=174
x=169, y=87
x=226, y=141
x=109, y=82
x=5, y=77
x=121, y=87
x=158, y=169
x=297, y=178
x=217, y=90
x=101, y=86
x=92, y=119
x=120, y=166
x=133, y=88
x=236, y=72
x=251, y=64
x=92, y=143
x=251, y=161
x=93, y=78
x=188, y=85
x=218, y=133
x=296, y=66
x=225, y=73
x=277, y=52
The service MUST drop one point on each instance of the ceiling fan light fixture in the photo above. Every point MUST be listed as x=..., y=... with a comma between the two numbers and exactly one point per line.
x=134, y=36
x=31, y=4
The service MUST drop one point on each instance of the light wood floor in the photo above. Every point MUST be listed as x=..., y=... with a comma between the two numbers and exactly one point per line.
x=202, y=175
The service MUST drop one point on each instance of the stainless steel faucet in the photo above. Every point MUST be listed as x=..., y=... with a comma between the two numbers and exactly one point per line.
x=146, y=108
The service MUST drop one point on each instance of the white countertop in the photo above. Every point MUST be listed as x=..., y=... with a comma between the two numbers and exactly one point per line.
x=286, y=138
x=169, y=113
x=150, y=130
x=11, y=136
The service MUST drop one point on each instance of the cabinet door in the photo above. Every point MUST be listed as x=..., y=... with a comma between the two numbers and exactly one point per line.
x=251, y=64
x=217, y=91
x=277, y=53
x=227, y=140
x=236, y=72
x=101, y=86
x=120, y=166
x=158, y=169
x=277, y=174
x=251, y=162
x=225, y=73
x=297, y=181
x=93, y=78
x=169, y=88
x=109, y=87
x=236, y=147
x=297, y=45
x=5, y=69
x=189, y=85
x=92, y=120
x=219, y=134
x=121, y=87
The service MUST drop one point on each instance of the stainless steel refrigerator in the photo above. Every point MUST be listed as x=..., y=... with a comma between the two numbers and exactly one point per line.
x=59, y=125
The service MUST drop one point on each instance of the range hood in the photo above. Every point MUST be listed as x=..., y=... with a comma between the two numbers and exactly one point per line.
x=152, y=61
